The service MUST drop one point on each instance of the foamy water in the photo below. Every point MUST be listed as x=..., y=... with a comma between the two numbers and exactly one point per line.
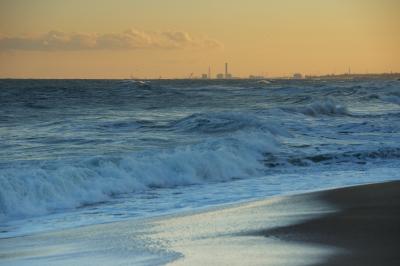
x=79, y=152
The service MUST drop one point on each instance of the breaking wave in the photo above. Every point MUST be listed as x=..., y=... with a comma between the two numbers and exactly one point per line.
x=36, y=189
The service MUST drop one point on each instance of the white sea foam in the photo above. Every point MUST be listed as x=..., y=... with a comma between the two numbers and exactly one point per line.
x=33, y=190
x=264, y=81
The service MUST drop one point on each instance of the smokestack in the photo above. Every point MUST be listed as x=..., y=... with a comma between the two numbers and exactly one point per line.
x=226, y=70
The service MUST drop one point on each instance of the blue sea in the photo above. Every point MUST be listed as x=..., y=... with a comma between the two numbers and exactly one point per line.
x=81, y=152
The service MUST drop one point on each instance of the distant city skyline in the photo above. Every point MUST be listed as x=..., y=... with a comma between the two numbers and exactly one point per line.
x=295, y=75
x=179, y=39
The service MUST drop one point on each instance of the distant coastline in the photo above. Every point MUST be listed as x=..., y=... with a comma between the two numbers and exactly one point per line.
x=347, y=76
x=356, y=76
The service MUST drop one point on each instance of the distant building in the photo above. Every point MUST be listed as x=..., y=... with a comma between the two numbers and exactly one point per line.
x=297, y=76
x=204, y=76
x=227, y=75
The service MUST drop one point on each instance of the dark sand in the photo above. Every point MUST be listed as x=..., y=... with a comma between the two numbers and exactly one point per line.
x=366, y=227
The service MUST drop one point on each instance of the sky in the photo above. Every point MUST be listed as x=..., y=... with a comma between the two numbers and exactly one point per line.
x=180, y=38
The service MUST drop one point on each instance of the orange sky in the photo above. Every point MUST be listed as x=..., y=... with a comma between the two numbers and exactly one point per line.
x=152, y=38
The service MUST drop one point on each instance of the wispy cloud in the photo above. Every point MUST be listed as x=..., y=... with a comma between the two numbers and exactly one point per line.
x=128, y=40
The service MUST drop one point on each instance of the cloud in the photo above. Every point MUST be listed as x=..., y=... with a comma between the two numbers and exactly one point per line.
x=128, y=40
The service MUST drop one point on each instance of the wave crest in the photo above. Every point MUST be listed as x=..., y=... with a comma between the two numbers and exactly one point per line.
x=325, y=107
x=217, y=122
x=32, y=189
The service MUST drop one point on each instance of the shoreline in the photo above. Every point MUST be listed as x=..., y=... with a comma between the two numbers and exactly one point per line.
x=354, y=225
x=173, y=213
x=366, y=226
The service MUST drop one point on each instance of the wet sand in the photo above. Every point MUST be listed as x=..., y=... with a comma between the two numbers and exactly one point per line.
x=348, y=226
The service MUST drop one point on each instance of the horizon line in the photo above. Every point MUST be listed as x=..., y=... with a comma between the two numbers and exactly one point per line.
x=305, y=76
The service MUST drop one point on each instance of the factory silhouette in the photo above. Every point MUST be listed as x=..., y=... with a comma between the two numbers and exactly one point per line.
x=228, y=75
x=225, y=75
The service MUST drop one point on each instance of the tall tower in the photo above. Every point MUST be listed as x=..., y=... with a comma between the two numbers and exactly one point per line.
x=209, y=72
x=226, y=70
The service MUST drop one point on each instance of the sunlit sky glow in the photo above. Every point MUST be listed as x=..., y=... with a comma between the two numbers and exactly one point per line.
x=174, y=38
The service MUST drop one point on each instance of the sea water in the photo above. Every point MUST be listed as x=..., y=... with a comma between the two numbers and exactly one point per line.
x=81, y=152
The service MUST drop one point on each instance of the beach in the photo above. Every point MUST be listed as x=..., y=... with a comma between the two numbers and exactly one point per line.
x=358, y=225
x=199, y=133
x=366, y=226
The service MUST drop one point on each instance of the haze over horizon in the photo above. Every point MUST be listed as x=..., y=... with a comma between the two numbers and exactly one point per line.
x=104, y=39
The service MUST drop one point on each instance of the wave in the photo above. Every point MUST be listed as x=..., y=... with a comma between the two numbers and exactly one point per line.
x=357, y=157
x=137, y=83
x=212, y=123
x=225, y=122
x=123, y=125
x=33, y=189
x=263, y=81
x=392, y=99
x=325, y=107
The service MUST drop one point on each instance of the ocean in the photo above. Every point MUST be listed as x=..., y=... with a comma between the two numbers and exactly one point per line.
x=82, y=152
